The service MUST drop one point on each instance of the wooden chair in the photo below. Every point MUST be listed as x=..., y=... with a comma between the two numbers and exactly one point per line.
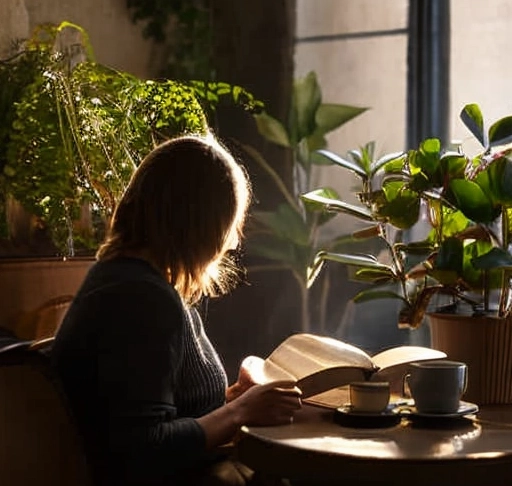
x=44, y=321
x=39, y=442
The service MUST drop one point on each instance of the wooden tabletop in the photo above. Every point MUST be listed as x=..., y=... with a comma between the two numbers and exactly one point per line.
x=315, y=449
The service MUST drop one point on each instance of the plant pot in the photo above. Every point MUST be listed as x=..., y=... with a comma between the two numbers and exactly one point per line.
x=35, y=292
x=485, y=344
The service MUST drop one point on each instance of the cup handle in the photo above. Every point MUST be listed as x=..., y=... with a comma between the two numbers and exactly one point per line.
x=406, y=391
x=465, y=383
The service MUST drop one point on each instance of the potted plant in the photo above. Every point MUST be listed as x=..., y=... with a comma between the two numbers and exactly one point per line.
x=73, y=133
x=289, y=236
x=463, y=205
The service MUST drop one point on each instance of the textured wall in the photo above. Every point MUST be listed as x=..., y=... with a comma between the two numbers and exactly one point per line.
x=115, y=40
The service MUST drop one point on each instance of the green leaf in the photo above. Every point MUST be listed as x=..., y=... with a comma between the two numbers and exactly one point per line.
x=368, y=295
x=402, y=207
x=495, y=258
x=375, y=275
x=367, y=261
x=450, y=255
x=306, y=99
x=472, y=117
x=346, y=164
x=472, y=201
x=427, y=156
x=496, y=181
x=336, y=205
x=452, y=166
x=330, y=116
x=500, y=132
x=396, y=159
x=272, y=129
x=314, y=206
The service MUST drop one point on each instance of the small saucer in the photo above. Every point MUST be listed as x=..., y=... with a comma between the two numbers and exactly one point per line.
x=347, y=417
x=465, y=408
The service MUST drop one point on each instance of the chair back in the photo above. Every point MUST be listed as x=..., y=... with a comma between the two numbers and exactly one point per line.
x=44, y=321
x=39, y=442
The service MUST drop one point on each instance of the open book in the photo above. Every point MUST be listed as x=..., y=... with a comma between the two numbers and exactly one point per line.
x=319, y=363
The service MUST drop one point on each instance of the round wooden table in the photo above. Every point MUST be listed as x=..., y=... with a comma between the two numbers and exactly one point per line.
x=314, y=449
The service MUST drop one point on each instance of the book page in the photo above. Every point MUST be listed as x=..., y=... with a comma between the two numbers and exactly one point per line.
x=304, y=354
x=393, y=363
x=262, y=371
x=405, y=354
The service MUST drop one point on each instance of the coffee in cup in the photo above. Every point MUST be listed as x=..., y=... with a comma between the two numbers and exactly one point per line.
x=436, y=386
x=369, y=396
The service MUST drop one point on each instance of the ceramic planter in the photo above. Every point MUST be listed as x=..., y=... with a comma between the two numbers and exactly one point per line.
x=485, y=344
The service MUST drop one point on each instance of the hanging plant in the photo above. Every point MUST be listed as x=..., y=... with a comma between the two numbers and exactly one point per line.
x=79, y=129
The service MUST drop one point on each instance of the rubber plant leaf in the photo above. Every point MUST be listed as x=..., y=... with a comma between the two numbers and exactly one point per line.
x=365, y=261
x=472, y=117
x=313, y=205
x=499, y=180
x=472, y=201
x=427, y=158
x=375, y=275
x=402, y=208
x=347, y=164
x=500, y=132
x=495, y=258
x=393, y=158
x=452, y=166
x=368, y=295
x=337, y=205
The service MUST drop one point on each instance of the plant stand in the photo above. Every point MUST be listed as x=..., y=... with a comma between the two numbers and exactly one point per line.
x=485, y=344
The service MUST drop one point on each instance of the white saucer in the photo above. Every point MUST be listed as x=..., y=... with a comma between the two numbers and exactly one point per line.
x=465, y=408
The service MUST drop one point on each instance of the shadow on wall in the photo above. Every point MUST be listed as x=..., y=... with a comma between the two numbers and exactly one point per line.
x=373, y=327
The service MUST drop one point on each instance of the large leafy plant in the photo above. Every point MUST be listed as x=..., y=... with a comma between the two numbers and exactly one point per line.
x=290, y=235
x=75, y=129
x=464, y=202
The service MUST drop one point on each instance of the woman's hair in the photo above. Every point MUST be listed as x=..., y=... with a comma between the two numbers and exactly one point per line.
x=184, y=208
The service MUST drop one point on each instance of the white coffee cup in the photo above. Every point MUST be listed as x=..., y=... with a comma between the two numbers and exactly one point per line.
x=369, y=396
x=436, y=386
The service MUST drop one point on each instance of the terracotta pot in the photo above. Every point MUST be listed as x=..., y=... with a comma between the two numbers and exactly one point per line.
x=485, y=344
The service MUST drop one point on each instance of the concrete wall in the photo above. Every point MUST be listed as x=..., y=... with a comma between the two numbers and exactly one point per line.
x=481, y=71
x=115, y=40
x=359, y=50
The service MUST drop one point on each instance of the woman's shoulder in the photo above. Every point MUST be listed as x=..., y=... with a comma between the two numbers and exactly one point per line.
x=130, y=279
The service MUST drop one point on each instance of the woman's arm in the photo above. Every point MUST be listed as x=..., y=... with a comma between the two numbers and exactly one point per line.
x=269, y=404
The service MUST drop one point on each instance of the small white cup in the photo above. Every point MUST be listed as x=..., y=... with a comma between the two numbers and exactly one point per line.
x=369, y=396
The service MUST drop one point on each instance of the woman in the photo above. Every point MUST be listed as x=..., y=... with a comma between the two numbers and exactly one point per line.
x=146, y=385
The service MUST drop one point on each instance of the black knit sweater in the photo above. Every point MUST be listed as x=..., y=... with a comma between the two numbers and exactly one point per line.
x=137, y=368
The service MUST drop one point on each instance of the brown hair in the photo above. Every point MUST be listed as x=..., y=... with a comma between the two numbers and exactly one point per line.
x=184, y=206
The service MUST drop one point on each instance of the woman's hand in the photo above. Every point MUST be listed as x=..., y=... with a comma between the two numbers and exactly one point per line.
x=243, y=383
x=269, y=404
